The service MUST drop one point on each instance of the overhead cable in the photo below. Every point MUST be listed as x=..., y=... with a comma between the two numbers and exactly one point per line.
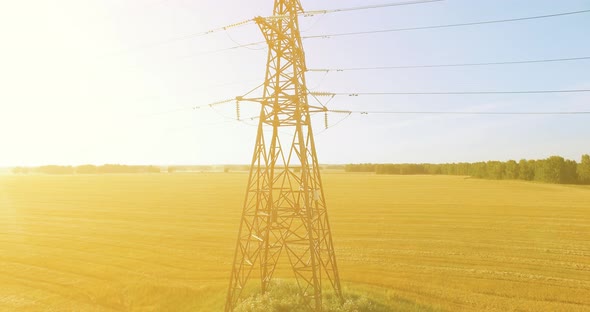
x=458, y=112
x=583, y=58
x=326, y=36
x=367, y=7
x=329, y=94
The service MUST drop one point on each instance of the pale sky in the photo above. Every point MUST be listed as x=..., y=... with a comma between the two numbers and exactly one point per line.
x=87, y=81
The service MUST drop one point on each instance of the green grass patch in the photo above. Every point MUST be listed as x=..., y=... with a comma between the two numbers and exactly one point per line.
x=284, y=296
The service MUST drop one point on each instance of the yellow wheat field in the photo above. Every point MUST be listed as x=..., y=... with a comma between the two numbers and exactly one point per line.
x=164, y=242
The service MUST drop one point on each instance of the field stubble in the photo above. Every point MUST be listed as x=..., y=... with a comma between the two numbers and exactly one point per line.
x=164, y=242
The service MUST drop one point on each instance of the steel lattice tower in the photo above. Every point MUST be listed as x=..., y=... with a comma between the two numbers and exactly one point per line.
x=285, y=209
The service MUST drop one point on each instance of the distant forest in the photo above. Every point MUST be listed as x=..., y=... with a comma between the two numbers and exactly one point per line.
x=87, y=169
x=112, y=169
x=554, y=169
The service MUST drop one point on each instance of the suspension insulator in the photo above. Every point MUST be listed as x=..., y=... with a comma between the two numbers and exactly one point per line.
x=238, y=115
x=326, y=120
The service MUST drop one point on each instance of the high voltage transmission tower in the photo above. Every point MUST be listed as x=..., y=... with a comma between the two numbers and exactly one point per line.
x=285, y=209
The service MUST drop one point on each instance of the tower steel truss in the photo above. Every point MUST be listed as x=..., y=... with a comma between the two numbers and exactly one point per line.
x=285, y=209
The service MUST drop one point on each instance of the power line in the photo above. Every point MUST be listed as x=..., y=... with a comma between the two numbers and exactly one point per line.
x=250, y=21
x=456, y=113
x=367, y=7
x=411, y=29
x=246, y=45
x=349, y=113
x=451, y=65
x=307, y=13
x=181, y=38
x=211, y=31
x=445, y=26
x=451, y=92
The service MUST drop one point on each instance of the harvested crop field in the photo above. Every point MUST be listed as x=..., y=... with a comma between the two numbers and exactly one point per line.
x=164, y=242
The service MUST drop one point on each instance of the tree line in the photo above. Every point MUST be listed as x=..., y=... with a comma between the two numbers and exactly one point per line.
x=86, y=169
x=554, y=169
